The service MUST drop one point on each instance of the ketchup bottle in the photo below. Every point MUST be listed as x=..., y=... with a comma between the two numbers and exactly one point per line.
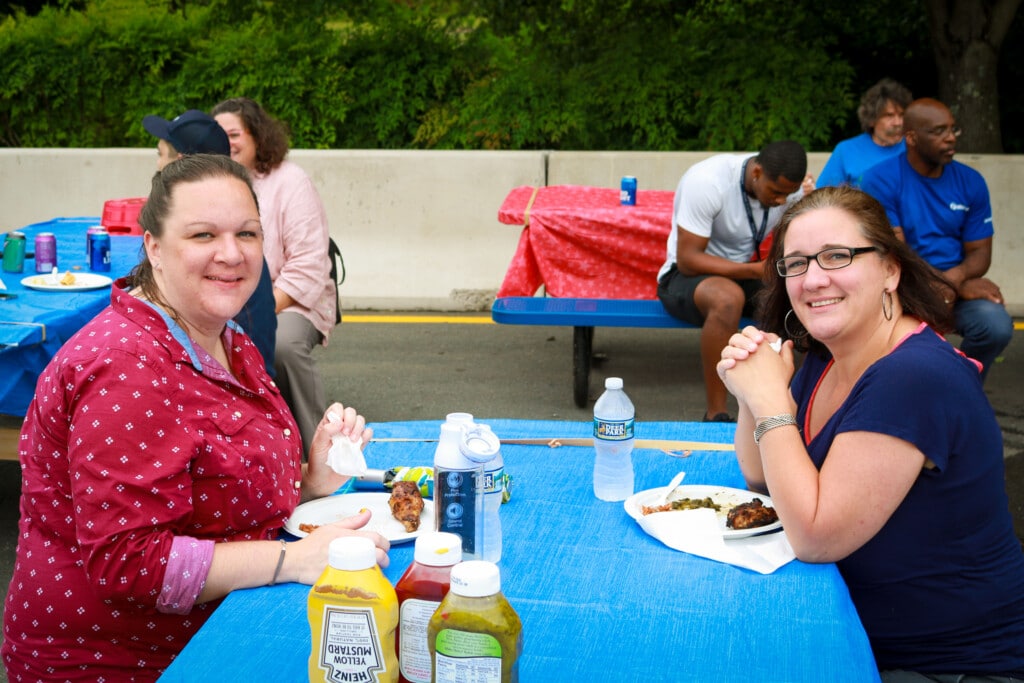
x=420, y=590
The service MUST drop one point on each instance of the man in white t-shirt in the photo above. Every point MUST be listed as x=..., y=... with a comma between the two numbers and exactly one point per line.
x=724, y=208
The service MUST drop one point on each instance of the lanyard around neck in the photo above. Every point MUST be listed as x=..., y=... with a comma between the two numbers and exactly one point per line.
x=756, y=234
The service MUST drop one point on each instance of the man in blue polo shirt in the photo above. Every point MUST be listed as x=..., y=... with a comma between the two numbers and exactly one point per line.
x=881, y=116
x=941, y=208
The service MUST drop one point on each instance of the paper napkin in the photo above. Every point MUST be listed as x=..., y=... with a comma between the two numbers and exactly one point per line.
x=345, y=456
x=699, y=532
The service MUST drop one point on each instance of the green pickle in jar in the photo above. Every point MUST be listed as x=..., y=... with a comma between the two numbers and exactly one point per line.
x=475, y=634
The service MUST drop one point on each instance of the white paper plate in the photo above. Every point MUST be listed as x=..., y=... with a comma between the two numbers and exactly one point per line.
x=82, y=282
x=722, y=495
x=335, y=508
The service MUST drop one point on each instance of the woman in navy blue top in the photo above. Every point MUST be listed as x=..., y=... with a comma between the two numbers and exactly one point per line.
x=881, y=453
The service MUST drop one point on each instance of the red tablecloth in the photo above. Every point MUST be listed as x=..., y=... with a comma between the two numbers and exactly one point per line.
x=581, y=242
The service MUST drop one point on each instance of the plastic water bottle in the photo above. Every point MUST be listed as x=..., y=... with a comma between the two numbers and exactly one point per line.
x=613, y=443
x=494, y=482
x=458, y=491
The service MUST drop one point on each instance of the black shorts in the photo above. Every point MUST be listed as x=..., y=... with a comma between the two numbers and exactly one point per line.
x=675, y=291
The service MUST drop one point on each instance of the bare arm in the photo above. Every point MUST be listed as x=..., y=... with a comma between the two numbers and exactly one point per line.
x=977, y=259
x=692, y=259
x=829, y=513
x=247, y=564
x=282, y=300
x=969, y=275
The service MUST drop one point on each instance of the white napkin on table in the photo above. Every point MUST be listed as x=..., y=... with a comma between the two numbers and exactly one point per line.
x=345, y=456
x=699, y=532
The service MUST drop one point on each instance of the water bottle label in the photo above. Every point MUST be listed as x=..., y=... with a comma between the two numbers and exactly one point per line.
x=613, y=430
x=494, y=481
x=455, y=505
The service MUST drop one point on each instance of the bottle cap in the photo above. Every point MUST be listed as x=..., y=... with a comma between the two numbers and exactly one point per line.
x=463, y=419
x=613, y=383
x=450, y=432
x=475, y=579
x=352, y=553
x=479, y=444
x=438, y=549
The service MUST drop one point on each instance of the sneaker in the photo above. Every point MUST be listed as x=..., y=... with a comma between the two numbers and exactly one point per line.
x=718, y=417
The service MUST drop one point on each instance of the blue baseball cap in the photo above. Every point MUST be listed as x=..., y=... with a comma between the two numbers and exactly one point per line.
x=194, y=132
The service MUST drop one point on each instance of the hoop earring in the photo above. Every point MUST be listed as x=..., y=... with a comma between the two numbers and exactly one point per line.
x=887, y=296
x=785, y=326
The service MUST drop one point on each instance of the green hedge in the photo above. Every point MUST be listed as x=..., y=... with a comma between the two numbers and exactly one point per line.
x=391, y=76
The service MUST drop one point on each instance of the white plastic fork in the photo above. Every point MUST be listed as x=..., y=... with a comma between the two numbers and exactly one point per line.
x=676, y=481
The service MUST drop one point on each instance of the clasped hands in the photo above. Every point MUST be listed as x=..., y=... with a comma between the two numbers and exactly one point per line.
x=754, y=372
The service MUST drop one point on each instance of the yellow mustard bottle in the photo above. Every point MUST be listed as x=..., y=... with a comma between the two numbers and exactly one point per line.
x=475, y=635
x=353, y=615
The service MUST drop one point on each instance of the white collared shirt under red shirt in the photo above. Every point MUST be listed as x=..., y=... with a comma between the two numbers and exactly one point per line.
x=138, y=452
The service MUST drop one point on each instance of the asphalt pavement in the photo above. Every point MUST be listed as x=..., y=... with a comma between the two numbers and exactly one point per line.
x=421, y=366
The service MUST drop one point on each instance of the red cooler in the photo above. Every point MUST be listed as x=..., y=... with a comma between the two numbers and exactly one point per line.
x=121, y=216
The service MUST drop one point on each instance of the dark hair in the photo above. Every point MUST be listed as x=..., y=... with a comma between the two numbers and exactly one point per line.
x=917, y=292
x=269, y=134
x=191, y=168
x=875, y=99
x=785, y=158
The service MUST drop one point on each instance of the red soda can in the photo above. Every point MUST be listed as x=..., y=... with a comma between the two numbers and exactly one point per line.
x=46, y=252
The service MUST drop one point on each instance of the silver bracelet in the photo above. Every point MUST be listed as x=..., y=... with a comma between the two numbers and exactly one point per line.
x=280, y=562
x=766, y=424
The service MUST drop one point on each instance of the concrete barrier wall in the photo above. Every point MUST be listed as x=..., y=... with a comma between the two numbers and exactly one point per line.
x=419, y=230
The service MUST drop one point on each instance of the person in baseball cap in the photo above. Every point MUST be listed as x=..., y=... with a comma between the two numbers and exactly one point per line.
x=194, y=132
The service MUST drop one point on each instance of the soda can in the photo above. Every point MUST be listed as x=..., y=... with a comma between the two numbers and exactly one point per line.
x=46, y=252
x=627, y=195
x=14, y=252
x=88, y=238
x=99, y=252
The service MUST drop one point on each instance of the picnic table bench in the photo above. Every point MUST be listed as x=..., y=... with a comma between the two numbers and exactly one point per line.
x=583, y=315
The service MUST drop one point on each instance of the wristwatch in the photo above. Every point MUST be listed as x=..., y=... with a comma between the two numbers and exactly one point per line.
x=766, y=424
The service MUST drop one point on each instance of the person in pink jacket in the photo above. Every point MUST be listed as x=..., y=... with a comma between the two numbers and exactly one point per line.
x=295, y=245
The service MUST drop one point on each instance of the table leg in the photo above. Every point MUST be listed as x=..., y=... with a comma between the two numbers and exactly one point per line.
x=582, y=341
x=10, y=434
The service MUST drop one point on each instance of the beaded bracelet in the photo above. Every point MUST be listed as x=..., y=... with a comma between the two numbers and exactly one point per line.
x=280, y=562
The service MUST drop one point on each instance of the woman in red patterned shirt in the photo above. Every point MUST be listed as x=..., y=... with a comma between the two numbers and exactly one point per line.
x=159, y=460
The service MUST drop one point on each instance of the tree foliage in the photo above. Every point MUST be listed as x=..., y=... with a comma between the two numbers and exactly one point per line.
x=466, y=74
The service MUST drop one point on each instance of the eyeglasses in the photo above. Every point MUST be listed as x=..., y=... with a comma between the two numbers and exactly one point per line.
x=944, y=131
x=829, y=259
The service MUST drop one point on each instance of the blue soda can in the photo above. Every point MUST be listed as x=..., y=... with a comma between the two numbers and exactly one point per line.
x=46, y=252
x=99, y=252
x=627, y=195
x=88, y=238
x=14, y=252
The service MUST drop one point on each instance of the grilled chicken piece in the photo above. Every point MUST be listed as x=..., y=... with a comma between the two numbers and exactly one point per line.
x=751, y=515
x=406, y=504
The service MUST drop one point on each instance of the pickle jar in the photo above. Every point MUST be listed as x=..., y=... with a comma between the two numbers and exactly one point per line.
x=475, y=634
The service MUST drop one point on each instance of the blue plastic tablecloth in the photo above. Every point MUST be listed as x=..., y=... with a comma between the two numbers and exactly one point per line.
x=599, y=599
x=35, y=324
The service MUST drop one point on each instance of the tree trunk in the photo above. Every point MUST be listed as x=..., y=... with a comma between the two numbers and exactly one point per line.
x=967, y=36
